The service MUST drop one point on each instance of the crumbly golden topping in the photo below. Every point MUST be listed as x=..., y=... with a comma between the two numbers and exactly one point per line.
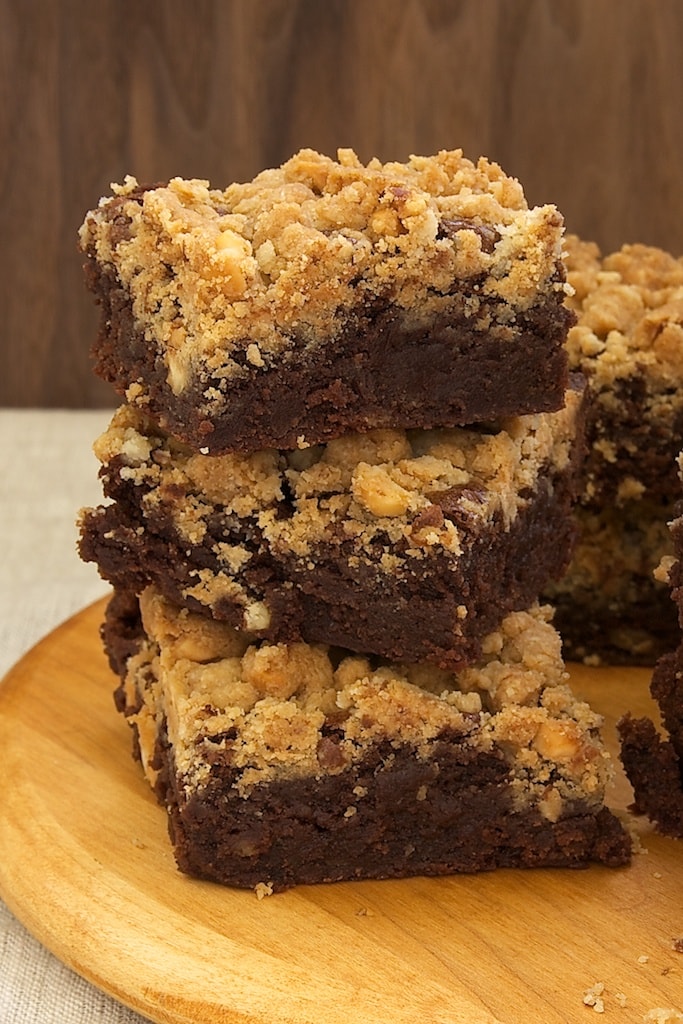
x=630, y=310
x=268, y=708
x=214, y=275
x=412, y=492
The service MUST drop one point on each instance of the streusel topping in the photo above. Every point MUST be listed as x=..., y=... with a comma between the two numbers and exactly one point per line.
x=386, y=484
x=630, y=309
x=269, y=706
x=223, y=280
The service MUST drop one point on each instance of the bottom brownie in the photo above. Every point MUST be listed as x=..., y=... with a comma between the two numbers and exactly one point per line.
x=284, y=765
x=654, y=764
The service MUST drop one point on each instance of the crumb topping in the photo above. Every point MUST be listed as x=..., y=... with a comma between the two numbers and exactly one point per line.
x=223, y=281
x=630, y=310
x=390, y=494
x=277, y=711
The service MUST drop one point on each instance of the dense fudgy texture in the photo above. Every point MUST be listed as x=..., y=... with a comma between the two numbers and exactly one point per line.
x=628, y=341
x=286, y=765
x=327, y=297
x=409, y=546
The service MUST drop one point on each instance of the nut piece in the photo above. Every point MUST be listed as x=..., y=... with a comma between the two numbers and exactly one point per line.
x=377, y=492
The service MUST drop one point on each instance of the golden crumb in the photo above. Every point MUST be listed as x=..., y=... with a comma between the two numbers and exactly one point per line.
x=263, y=889
x=594, y=997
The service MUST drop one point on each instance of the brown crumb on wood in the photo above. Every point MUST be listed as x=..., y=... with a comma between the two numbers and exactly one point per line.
x=593, y=997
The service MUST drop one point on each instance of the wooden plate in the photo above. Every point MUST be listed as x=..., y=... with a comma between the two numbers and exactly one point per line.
x=86, y=865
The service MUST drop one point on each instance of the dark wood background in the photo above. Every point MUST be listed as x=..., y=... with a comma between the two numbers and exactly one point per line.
x=580, y=99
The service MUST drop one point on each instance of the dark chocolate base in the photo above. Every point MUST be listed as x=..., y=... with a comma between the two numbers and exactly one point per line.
x=410, y=614
x=297, y=832
x=376, y=374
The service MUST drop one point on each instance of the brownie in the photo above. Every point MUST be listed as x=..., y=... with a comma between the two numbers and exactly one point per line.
x=628, y=341
x=329, y=296
x=287, y=764
x=653, y=760
x=412, y=545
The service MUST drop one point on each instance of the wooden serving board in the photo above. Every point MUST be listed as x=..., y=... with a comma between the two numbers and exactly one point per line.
x=86, y=865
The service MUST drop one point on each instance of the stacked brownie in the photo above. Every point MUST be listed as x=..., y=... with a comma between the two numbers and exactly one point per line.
x=342, y=476
x=628, y=342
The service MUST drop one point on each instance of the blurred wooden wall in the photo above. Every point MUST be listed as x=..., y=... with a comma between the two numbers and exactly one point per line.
x=580, y=99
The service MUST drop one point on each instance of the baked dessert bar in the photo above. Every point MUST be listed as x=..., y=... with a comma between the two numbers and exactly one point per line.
x=329, y=296
x=628, y=342
x=280, y=765
x=408, y=544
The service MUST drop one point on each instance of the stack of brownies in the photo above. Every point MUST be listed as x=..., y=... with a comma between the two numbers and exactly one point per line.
x=342, y=476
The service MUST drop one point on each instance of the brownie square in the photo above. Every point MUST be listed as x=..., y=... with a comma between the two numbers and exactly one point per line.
x=287, y=764
x=412, y=545
x=329, y=296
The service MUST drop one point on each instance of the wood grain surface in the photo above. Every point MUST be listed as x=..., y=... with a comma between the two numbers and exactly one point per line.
x=85, y=863
x=582, y=100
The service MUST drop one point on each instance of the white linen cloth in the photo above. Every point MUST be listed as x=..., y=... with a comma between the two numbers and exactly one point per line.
x=47, y=472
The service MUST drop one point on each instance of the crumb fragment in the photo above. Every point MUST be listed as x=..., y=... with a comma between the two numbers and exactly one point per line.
x=662, y=1015
x=593, y=997
x=677, y=944
x=263, y=889
x=643, y=959
x=620, y=999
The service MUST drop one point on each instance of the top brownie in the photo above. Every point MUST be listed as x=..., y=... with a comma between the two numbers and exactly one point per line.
x=328, y=296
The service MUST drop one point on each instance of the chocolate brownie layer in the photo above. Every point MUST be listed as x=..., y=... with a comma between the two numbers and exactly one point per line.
x=628, y=341
x=408, y=545
x=284, y=765
x=328, y=296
